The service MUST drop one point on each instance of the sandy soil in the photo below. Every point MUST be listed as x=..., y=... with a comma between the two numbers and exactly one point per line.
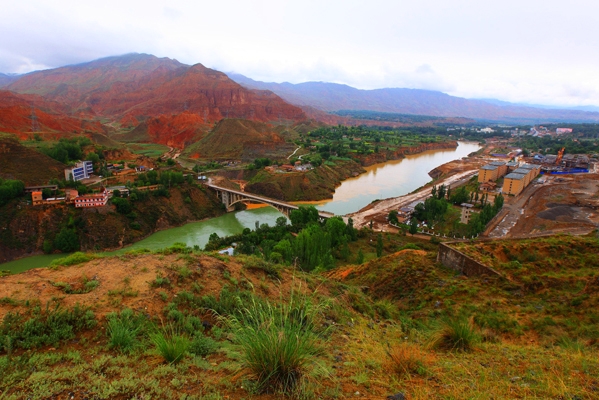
x=126, y=281
x=564, y=204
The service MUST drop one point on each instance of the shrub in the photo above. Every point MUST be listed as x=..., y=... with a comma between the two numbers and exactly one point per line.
x=455, y=334
x=161, y=281
x=278, y=342
x=45, y=326
x=203, y=345
x=171, y=346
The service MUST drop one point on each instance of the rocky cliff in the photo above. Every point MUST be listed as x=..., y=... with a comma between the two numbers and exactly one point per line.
x=26, y=227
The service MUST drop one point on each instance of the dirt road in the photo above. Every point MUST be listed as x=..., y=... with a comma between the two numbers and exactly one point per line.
x=564, y=204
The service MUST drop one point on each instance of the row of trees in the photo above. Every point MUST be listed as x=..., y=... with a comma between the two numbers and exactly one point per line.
x=314, y=245
x=434, y=209
x=67, y=150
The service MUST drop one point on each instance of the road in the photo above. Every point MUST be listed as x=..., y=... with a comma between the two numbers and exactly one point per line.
x=380, y=209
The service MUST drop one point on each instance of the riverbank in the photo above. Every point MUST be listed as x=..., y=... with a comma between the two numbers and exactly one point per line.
x=454, y=173
x=322, y=182
x=32, y=230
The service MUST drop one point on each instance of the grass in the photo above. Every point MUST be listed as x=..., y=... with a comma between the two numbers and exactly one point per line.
x=455, y=334
x=278, y=342
x=47, y=326
x=406, y=359
x=74, y=259
x=123, y=330
x=531, y=344
x=170, y=345
x=202, y=345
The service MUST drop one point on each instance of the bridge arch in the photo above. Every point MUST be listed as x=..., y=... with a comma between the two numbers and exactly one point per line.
x=230, y=197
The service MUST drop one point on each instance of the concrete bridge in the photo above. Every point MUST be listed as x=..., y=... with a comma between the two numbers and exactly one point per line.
x=229, y=197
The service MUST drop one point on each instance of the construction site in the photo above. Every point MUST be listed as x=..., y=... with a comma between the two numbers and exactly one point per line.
x=561, y=194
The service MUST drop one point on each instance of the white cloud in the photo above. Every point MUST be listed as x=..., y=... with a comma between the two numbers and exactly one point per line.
x=533, y=51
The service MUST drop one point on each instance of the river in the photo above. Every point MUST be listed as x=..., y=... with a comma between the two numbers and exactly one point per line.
x=380, y=181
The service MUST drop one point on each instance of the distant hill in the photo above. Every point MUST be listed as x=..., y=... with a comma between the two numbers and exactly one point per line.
x=25, y=164
x=334, y=97
x=6, y=79
x=240, y=139
x=543, y=106
x=139, y=89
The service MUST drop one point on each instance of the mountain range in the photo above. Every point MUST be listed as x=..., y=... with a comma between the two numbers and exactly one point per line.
x=332, y=97
x=145, y=98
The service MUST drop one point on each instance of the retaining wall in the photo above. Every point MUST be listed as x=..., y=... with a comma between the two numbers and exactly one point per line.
x=460, y=262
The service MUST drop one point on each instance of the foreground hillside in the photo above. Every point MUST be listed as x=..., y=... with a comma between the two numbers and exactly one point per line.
x=399, y=325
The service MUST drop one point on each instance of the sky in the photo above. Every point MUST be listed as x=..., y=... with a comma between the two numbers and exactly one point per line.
x=523, y=51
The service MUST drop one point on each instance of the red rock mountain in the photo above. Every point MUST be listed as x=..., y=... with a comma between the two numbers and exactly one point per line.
x=140, y=88
x=20, y=114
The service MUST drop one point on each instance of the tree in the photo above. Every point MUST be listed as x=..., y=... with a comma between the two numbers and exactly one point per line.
x=379, y=245
x=413, y=226
x=460, y=195
x=498, y=203
x=360, y=257
x=66, y=241
x=281, y=222
x=46, y=193
x=393, y=217
x=122, y=205
x=336, y=228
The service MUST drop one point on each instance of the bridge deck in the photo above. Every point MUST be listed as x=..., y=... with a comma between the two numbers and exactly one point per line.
x=266, y=200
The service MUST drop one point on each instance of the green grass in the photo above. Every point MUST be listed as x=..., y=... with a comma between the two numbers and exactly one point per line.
x=151, y=150
x=74, y=259
x=278, y=342
x=203, y=345
x=171, y=345
x=42, y=327
x=124, y=329
x=455, y=334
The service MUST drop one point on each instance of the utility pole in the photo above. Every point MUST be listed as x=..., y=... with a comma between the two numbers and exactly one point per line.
x=34, y=125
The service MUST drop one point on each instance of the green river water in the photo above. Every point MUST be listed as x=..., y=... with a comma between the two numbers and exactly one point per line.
x=391, y=179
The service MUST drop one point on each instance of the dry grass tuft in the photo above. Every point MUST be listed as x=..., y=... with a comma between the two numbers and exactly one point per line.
x=408, y=359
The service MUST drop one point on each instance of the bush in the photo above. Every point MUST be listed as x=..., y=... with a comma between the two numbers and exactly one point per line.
x=171, y=346
x=278, y=342
x=67, y=240
x=45, y=327
x=203, y=345
x=455, y=334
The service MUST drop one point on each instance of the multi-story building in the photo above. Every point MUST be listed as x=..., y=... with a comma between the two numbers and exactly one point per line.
x=513, y=183
x=492, y=171
x=81, y=170
x=92, y=200
x=36, y=198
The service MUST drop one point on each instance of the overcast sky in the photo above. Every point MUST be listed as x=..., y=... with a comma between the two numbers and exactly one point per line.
x=544, y=52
